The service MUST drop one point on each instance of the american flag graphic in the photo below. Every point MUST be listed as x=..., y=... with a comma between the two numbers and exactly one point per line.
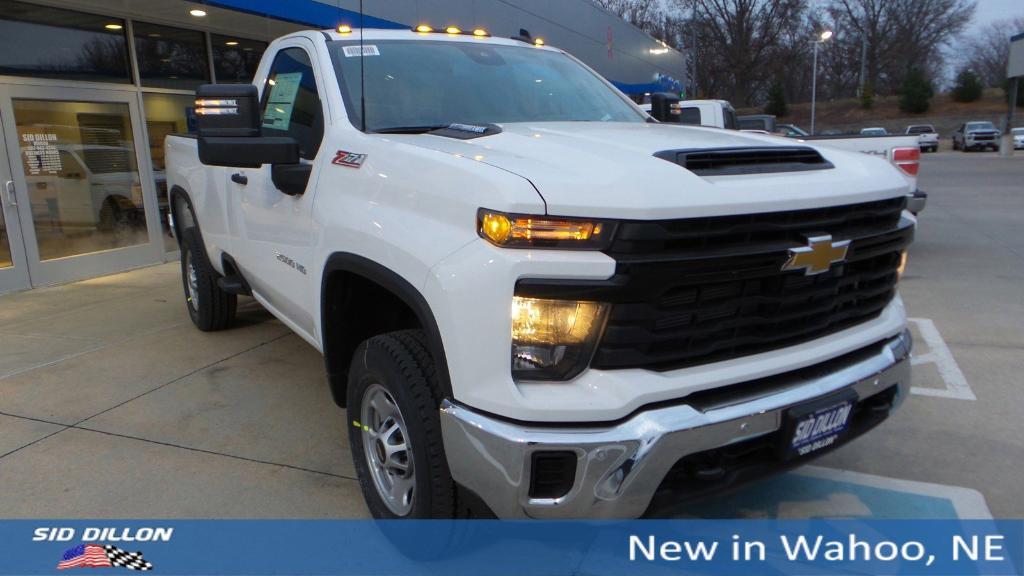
x=97, y=556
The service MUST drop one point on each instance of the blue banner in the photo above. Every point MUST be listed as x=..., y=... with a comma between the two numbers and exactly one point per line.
x=494, y=548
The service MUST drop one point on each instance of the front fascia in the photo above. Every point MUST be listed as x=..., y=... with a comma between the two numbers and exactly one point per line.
x=471, y=292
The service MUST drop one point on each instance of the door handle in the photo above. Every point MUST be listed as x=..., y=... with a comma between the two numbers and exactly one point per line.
x=9, y=191
x=239, y=178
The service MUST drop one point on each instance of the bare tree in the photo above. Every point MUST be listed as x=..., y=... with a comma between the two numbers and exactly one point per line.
x=988, y=53
x=901, y=34
x=738, y=43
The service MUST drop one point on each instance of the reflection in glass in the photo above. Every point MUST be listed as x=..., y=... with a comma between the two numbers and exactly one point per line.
x=166, y=114
x=170, y=57
x=235, y=59
x=5, y=245
x=48, y=42
x=82, y=175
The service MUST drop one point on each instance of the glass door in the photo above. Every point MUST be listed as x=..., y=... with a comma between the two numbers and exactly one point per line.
x=85, y=205
x=13, y=263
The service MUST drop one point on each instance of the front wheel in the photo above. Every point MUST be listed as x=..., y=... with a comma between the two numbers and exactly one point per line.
x=395, y=434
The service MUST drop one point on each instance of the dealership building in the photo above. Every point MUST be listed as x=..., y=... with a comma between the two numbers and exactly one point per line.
x=90, y=88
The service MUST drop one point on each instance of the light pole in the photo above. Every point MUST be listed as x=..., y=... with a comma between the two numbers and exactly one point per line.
x=823, y=37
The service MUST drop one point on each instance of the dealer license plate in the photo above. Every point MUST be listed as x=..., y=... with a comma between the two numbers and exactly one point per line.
x=812, y=429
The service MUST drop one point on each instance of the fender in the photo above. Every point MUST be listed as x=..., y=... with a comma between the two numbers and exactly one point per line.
x=176, y=219
x=337, y=366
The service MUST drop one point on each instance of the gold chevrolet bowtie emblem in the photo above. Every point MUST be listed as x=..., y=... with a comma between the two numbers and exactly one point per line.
x=818, y=256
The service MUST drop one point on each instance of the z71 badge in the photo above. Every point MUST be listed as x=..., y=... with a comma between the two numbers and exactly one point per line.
x=350, y=159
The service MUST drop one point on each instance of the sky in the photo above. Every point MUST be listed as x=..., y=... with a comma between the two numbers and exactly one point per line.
x=989, y=11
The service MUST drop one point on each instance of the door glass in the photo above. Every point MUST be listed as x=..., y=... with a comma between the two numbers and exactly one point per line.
x=5, y=245
x=82, y=176
x=166, y=114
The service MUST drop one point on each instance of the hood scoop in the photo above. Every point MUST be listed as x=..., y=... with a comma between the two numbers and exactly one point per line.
x=746, y=160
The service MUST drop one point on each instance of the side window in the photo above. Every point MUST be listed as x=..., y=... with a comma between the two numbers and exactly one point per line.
x=291, y=104
x=689, y=115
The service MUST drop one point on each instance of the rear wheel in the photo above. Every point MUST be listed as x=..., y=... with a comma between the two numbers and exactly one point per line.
x=209, y=307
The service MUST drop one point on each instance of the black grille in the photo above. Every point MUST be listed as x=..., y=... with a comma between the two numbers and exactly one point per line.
x=694, y=291
x=729, y=161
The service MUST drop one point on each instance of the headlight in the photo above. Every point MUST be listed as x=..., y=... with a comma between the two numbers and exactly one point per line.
x=554, y=339
x=524, y=231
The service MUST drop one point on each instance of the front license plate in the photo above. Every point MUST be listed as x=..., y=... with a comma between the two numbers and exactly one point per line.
x=813, y=429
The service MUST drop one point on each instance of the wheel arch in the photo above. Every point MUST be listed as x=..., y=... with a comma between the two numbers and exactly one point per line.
x=344, y=326
x=181, y=211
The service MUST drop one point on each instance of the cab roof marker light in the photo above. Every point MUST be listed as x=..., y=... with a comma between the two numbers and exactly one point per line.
x=453, y=30
x=344, y=29
x=538, y=41
x=423, y=29
x=480, y=32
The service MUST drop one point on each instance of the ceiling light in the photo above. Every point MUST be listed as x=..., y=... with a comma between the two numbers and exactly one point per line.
x=197, y=12
x=113, y=26
x=231, y=43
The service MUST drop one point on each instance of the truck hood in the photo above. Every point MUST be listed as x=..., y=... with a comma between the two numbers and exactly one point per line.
x=609, y=170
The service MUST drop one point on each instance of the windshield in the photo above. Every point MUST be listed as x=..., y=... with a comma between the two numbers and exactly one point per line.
x=920, y=130
x=1018, y=131
x=980, y=126
x=414, y=83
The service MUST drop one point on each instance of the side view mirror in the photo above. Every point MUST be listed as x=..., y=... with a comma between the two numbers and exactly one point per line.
x=228, y=122
x=665, y=107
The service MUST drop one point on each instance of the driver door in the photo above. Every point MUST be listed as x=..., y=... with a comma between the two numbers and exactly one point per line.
x=275, y=220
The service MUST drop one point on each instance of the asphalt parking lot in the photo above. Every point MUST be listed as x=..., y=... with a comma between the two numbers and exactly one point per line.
x=112, y=405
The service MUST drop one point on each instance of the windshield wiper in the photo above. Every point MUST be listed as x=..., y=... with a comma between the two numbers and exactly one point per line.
x=411, y=129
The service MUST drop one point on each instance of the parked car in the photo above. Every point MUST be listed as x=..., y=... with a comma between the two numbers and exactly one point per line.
x=516, y=304
x=976, y=136
x=791, y=130
x=874, y=131
x=765, y=122
x=927, y=137
x=1018, y=138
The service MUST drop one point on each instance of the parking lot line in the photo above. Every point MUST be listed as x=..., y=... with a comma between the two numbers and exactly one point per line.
x=940, y=355
x=967, y=502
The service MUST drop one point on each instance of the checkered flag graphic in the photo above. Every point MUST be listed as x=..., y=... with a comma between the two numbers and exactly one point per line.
x=129, y=560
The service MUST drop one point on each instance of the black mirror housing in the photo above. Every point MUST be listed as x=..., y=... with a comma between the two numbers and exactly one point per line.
x=238, y=152
x=665, y=107
x=229, y=129
x=228, y=110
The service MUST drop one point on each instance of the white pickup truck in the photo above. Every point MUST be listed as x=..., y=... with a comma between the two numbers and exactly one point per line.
x=534, y=299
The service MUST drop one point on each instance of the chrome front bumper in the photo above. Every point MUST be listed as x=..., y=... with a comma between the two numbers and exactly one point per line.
x=619, y=467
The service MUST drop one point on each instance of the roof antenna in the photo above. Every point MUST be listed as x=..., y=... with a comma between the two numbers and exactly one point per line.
x=362, y=70
x=524, y=36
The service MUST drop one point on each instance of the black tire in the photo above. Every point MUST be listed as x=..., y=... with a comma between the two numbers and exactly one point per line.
x=210, y=308
x=400, y=364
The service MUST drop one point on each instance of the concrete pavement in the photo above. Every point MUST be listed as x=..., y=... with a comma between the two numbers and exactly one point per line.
x=113, y=405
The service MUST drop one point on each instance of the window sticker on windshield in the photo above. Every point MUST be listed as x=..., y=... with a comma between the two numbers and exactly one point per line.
x=283, y=90
x=367, y=50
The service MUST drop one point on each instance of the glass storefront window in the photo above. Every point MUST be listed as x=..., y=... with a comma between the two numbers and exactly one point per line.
x=82, y=174
x=166, y=114
x=46, y=42
x=235, y=59
x=170, y=57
